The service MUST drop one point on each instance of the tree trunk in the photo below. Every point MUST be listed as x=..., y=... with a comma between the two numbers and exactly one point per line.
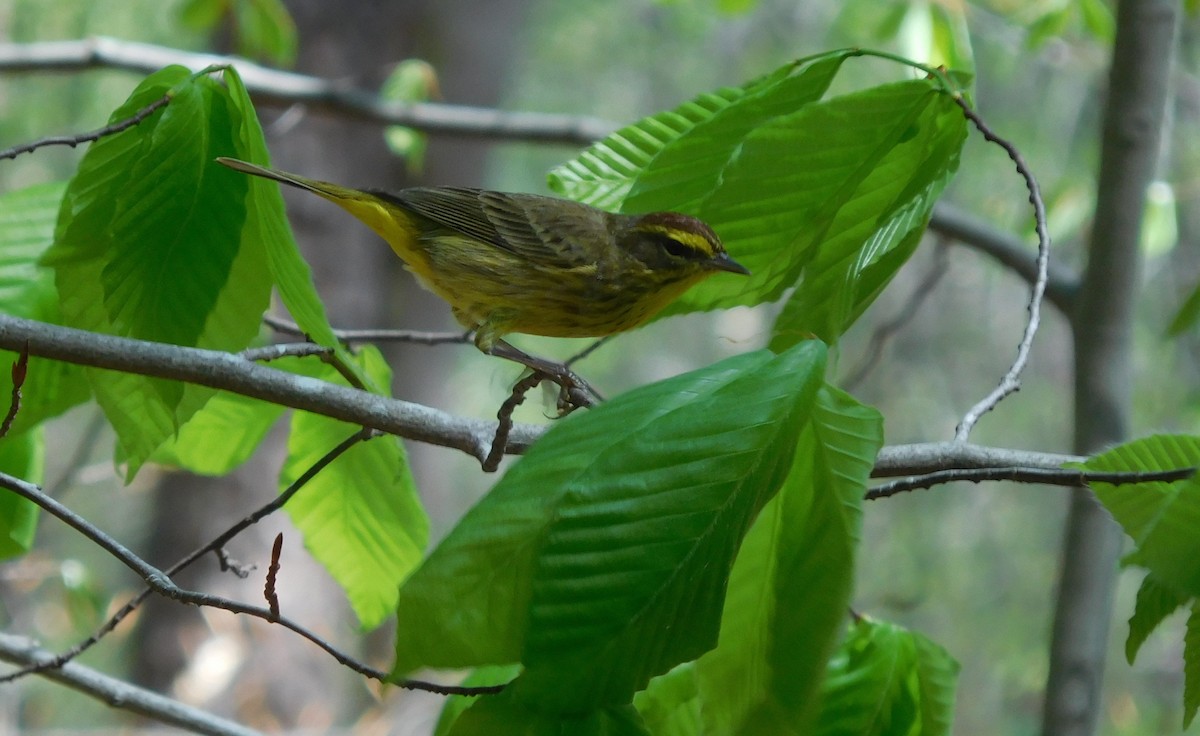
x=1103, y=330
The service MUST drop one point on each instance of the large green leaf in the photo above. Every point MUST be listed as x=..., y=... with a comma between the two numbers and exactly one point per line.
x=149, y=245
x=27, y=218
x=507, y=715
x=606, y=172
x=1162, y=518
x=221, y=436
x=792, y=582
x=1191, y=666
x=886, y=681
x=360, y=516
x=837, y=189
x=1155, y=602
x=848, y=274
x=601, y=558
x=266, y=223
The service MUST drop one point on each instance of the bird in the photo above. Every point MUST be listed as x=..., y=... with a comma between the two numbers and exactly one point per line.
x=531, y=264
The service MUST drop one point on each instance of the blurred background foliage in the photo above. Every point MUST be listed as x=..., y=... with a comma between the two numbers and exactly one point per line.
x=971, y=567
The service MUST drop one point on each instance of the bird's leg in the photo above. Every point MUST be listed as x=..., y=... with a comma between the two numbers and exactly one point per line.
x=574, y=392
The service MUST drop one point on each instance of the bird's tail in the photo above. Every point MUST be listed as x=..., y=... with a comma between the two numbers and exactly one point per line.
x=390, y=221
x=322, y=188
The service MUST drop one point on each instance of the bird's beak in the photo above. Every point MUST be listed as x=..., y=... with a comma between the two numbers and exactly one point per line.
x=723, y=262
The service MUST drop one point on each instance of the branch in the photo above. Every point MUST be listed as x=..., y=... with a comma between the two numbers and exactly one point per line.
x=232, y=373
x=118, y=693
x=287, y=89
x=74, y=140
x=1011, y=382
x=1061, y=284
x=1068, y=477
x=377, y=335
x=158, y=581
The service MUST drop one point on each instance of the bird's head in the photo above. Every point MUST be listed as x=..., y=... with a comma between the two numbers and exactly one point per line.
x=673, y=242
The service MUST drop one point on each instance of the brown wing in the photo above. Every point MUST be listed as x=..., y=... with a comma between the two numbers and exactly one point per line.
x=522, y=224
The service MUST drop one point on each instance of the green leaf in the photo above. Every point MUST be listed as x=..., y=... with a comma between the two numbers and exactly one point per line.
x=671, y=704
x=1155, y=602
x=688, y=170
x=1098, y=20
x=1185, y=318
x=360, y=516
x=266, y=223
x=22, y=456
x=456, y=704
x=1162, y=518
x=221, y=436
x=27, y=218
x=149, y=245
x=869, y=204
x=886, y=680
x=505, y=715
x=792, y=581
x=413, y=80
x=660, y=146
x=744, y=161
x=202, y=15
x=580, y=561
x=261, y=29
x=1191, y=666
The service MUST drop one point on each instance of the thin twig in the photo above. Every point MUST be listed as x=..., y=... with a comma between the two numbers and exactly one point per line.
x=504, y=419
x=287, y=89
x=118, y=693
x=587, y=351
x=267, y=353
x=1045, y=476
x=158, y=581
x=1011, y=381
x=95, y=135
x=20, y=370
x=884, y=332
x=229, y=564
x=272, y=574
x=351, y=336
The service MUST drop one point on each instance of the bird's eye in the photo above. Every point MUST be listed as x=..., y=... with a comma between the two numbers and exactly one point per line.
x=674, y=247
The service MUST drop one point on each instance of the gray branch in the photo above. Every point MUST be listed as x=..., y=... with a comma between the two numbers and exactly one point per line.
x=236, y=374
x=275, y=87
x=118, y=693
x=1102, y=327
x=229, y=372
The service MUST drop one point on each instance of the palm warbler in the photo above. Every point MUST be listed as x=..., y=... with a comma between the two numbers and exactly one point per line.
x=531, y=264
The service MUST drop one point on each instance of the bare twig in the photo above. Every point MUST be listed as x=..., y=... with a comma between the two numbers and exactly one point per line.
x=20, y=369
x=268, y=353
x=118, y=693
x=1052, y=477
x=158, y=581
x=504, y=417
x=95, y=135
x=272, y=574
x=587, y=351
x=1011, y=380
x=350, y=336
x=287, y=89
x=228, y=564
